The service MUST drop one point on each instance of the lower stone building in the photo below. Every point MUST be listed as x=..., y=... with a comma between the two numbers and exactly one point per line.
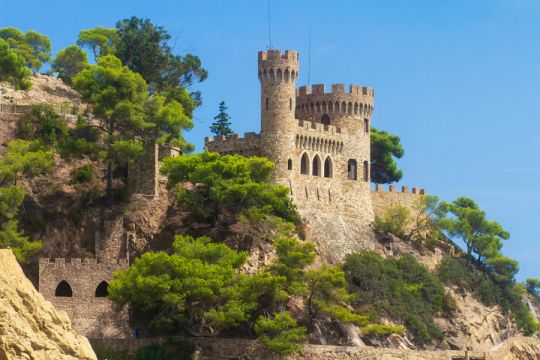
x=79, y=286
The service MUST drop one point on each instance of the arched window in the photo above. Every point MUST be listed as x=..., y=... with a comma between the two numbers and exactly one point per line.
x=351, y=169
x=366, y=171
x=328, y=168
x=63, y=290
x=304, y=164
x=102, y=289
x=316, y=166
x=289, y=164
x=366, y=125
x=325, y=119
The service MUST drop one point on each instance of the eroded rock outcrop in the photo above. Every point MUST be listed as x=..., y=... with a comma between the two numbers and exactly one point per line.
x=30, y=326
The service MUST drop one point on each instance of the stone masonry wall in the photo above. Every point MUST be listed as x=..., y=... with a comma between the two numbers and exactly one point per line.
x=383, y=200
x=143, y=173
x=92, y=316
x=221, y=349
x=249, y=145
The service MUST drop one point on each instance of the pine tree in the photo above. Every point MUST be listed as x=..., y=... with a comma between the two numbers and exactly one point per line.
x=222, y=123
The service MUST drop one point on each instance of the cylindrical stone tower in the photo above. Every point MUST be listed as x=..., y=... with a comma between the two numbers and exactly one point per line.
x=278, y=74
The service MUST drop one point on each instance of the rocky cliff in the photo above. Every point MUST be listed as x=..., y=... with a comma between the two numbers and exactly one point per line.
x=30, y=327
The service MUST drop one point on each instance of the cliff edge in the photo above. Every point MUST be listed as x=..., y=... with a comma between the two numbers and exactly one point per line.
x=30, y=326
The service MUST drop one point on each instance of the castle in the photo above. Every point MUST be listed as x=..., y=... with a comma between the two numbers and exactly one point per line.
x=319, y=141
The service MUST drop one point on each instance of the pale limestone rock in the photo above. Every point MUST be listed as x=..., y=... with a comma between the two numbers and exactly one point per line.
x=30, y=327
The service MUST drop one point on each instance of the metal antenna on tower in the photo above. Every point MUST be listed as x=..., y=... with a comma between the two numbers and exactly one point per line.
x=269, y=36
x=309, y=57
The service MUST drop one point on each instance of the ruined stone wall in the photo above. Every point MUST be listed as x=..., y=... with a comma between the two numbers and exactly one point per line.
x=112, y=244
x=91, y=316
x=143, y=173
x=249, y=145
x=383, y=200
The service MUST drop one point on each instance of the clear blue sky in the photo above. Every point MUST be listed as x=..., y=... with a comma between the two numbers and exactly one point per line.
x=458, y=81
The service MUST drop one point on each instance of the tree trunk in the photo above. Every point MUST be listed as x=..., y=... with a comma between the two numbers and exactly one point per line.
x=109, y=179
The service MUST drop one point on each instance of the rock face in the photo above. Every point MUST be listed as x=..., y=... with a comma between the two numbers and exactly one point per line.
x=30, y=327
x=45, y=89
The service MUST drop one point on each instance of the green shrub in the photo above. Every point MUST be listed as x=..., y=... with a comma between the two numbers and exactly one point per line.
x=281, y=334
x=461, y=272
x=82, y=174
x=401, y=289
x=393, y=220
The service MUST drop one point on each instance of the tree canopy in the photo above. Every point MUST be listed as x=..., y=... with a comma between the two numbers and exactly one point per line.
x=130, y=115
x=100, y=41
x=228, y=185
x=384, y=148
x=13, y=68
x=143, y=47
x=34, y=47
x=222, y=123
x=468, y=223
x=69, y=62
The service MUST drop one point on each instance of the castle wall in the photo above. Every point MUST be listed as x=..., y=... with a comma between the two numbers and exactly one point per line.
x=143, y=173
x=93, y=317
x=382, y=200
x=249, y=145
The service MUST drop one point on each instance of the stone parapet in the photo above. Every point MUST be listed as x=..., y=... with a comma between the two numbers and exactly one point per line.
x=314, y=102
x=309, y=126
x=382, y=200
x=249, y=145
x=76, y=262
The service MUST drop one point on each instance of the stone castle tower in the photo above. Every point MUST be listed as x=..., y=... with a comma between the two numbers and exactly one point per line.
x=319, y=140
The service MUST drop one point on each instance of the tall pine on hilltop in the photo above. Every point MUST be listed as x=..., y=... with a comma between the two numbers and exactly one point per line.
x=222, y=123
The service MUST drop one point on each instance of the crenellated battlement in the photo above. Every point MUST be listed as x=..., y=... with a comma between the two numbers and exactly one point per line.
x=276, y=67
x=278, y=55
x=233, y=137
x=338, y=103
x=336, y=89
x=383, y=199
x=310, y=126
x=404, y=190
x=77, y=262
x=249, y=145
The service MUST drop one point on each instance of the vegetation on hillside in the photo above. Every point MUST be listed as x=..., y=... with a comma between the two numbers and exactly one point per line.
x=199, y=288
x=482, y=269
x=23, y=159
x=398, y=288
x=228, y=185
